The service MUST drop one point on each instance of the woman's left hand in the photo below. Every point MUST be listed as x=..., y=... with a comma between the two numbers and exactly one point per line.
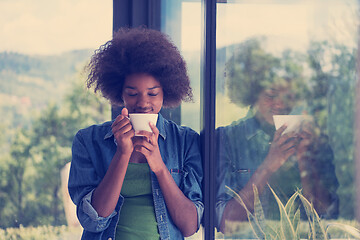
x=148, y=146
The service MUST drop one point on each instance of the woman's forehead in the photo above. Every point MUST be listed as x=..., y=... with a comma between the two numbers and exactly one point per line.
x=141, y=81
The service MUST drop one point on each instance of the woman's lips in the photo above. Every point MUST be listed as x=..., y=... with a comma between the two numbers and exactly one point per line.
x=279, y=111
x=143, y=111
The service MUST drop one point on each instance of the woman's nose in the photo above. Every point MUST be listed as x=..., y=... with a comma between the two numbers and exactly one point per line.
x=279, y=103
x=142, y=101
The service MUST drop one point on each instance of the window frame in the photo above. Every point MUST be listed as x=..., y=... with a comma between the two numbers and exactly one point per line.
x=207, y=120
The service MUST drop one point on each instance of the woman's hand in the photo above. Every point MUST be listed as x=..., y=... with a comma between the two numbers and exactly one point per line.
x=148, y=146
x=182, y=210
x=307, y=137
x=282, y=147
x=123, y=132
x=106, y=194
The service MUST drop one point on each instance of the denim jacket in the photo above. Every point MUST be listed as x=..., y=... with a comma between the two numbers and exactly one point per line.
x=92, y=151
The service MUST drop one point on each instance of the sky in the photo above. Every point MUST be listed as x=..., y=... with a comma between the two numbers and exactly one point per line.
x=54, y=26
x=291, y=25
x=46, y=27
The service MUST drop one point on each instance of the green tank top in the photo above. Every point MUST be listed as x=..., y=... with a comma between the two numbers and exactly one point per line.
x=137, y=216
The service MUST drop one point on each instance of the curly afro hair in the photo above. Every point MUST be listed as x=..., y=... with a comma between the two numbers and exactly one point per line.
x=251, y=70
x=134, y=51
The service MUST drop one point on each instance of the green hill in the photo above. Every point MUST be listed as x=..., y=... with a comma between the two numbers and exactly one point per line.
x=27, y=83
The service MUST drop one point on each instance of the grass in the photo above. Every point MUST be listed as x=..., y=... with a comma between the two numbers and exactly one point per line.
x=243, y=230
x=41, y=233
x=290, y=225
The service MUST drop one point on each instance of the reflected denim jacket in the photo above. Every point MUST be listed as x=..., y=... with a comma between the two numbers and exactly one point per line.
x=92, y=151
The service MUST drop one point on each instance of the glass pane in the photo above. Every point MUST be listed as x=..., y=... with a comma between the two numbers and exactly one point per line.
x=190, y=46
x=286, y=77
x=44, y=46
x=181, y=20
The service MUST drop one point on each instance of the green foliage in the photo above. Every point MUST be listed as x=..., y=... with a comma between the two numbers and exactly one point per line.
x=31, y=172
x=14, y=180
x=29, y=83
x=41, y=233
x=332, y=102
x=288, y=225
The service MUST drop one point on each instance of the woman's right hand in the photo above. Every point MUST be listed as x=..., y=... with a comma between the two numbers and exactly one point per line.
x=282, y=147
x=106, y=194
x=123, y=132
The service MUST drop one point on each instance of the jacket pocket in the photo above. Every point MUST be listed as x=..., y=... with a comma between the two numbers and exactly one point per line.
x=177, y=175
x=239, y=178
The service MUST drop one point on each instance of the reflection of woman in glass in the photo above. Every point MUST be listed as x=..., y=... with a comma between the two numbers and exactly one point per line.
x=252, y=152
x=134, y=187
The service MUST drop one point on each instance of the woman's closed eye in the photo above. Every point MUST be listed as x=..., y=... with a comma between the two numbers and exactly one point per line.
x=135, y=94
x=153, y=94
x=271, y=96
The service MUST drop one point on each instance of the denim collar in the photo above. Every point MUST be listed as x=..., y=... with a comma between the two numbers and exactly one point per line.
x=159, y=124
x=252, y=126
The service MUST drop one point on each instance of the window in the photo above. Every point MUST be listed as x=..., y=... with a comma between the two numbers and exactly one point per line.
x=289, y=57
x=248, y=61
x=285, y=58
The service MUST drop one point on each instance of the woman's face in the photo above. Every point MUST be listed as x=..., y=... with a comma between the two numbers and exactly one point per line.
x=142, y=93
x=274, y=101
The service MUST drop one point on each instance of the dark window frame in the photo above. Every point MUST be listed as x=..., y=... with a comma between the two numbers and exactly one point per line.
x=207, y=120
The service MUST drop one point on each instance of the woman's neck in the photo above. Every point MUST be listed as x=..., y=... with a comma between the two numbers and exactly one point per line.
x=264, y=125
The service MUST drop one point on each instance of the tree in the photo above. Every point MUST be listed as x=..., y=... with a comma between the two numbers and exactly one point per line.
x=14, y=183
x=333, y=100
x=32, y=173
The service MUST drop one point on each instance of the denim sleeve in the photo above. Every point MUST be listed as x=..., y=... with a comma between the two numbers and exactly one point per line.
x=89, y=218
x=83, y=180
x=192, y=180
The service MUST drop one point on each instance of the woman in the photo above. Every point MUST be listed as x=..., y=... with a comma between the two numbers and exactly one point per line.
x=252, y=152
x=143, y=187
